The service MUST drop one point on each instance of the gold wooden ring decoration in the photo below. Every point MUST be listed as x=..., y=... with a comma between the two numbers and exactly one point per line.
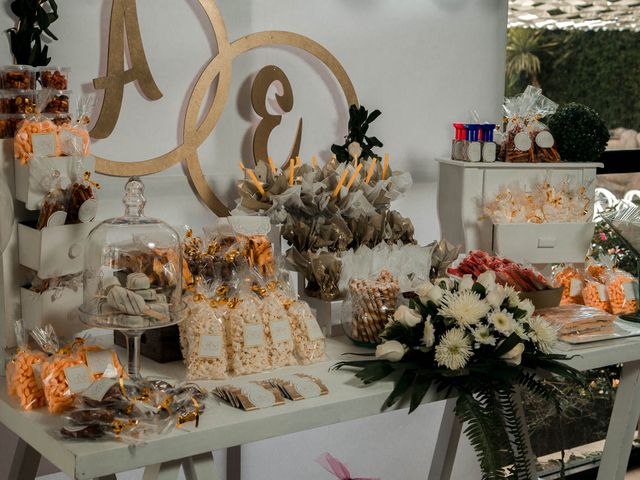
x=219, y=67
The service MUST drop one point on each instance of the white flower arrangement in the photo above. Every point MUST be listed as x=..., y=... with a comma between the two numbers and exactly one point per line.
x=478, y=339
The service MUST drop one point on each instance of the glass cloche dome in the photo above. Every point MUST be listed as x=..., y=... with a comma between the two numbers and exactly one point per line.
x=133, y=269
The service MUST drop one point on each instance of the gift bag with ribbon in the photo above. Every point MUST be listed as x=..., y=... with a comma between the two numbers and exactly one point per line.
x=337, y=468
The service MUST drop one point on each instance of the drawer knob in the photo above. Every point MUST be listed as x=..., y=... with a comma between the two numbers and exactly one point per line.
x=75, y=250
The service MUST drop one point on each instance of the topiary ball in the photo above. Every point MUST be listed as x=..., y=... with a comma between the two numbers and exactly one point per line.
x=579, y=132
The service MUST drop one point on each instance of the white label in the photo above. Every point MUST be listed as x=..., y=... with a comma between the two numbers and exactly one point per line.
x=210, y=346
x=87, y=211
x=280, y=331
x=313, y=329
x=44, y=144
x=489, y=152
x=259, y=396
x=78, y=378
x=37, y=373
x=522, y=141
x=306, y=388
x=57, y=218
x=474, y=152
x=575, y=288
x=99, y=361
x=253, y=335
x=602, y=292
x=99, y=389
x=629, y=289
x=544, y=139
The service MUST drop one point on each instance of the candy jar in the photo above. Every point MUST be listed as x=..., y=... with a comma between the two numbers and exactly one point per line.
x=133, y=274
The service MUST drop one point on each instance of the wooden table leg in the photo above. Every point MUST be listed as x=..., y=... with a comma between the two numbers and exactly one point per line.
x=199, y=467
x=622, y=425
x=446, y=444
x=234, y=463
x=163, y=471
x=25, y=462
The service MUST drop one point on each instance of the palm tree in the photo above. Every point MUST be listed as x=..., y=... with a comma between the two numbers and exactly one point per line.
x=525, y=49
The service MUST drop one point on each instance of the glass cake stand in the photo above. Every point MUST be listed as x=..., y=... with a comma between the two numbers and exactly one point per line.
x=132, y=279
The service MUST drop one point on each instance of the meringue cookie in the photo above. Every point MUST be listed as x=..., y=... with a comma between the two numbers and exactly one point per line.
x=137, y=281
x=126, y=301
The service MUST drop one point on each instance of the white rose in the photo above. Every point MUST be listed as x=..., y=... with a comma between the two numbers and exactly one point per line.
x=407, y=316
x=527, y=306
x=466, y=283
x=428, y=336
x=391, y=350
x=495, y=298
x=487, y=280
x=435, y=294
x=514, y=356
x=423, y=290
x=355, y=150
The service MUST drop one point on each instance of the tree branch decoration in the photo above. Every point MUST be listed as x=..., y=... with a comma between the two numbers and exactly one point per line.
x=359, y=121
x=34, y=19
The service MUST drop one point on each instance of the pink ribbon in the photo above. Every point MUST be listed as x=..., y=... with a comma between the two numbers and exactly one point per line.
x=337, y=468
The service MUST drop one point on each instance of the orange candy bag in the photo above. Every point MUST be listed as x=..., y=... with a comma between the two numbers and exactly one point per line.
x=622, y=289
x=570, y=279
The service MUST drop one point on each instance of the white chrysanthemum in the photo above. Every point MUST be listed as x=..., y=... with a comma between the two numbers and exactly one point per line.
x=519, y=331
x=512, y=295
x=454, y=349
x=502, y=321
x=465, y=307
x=542, y=334
x=482, y=335
x=428, y=337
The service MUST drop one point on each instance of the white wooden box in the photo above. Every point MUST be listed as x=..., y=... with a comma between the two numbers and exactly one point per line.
x=53, y=251
x=544, y=242
x=463, y=187
x=29, y=178
x=56, y=306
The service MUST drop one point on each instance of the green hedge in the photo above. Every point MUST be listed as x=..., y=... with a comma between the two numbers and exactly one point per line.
x=602, y=70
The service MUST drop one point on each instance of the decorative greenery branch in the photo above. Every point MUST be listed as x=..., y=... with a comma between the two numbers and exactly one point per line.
x=34, y=19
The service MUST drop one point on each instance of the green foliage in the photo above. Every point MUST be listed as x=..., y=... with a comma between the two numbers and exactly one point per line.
x=359, y=121
x=597, y=68
x=526, y=49
x=34, y=19
x=579, y=132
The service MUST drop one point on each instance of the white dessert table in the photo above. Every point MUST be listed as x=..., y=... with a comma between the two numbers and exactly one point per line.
x=223, y=427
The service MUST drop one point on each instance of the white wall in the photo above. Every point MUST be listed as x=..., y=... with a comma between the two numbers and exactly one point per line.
x=424, y=63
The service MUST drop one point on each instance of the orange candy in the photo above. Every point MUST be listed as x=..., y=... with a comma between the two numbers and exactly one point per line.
x=56, y=389
x=595, y=295
x=23, y=146
x=22, y=379
x=622, y=294
x=570, y=279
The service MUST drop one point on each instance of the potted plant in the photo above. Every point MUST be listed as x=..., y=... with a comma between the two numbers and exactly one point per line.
x=34, y=17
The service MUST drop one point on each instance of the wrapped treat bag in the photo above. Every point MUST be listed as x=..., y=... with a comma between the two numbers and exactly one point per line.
x=53, y=211
x=37, y=135
x=570, y=279
x=23, y=373
x=622, y=290
x=101, y=362
x=204, y=337
x=74, y=136
x=595, y=292
x=373, y=302
x=82, y=203
x=279, y=333
x=64, y=375
x=308, y=338
x=527, y=139
x=247, y=342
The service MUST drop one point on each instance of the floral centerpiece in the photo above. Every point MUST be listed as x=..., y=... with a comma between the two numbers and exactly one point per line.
x=477, y=340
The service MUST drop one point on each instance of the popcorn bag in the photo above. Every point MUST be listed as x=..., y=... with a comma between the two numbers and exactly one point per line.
x=526, y=138
x=205, y=339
